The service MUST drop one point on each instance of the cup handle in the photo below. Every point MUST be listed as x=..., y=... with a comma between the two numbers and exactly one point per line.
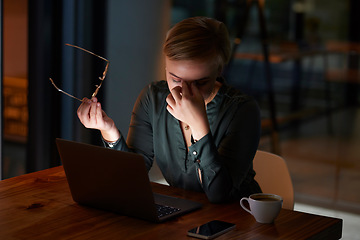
x=243, y=206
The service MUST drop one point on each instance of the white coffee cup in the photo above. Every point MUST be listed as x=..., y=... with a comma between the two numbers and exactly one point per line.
x=265, y=207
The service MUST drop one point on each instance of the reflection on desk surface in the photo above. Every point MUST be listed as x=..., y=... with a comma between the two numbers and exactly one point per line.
x=39, y=206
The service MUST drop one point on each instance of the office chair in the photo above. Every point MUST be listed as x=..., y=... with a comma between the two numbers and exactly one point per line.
x=273, y=176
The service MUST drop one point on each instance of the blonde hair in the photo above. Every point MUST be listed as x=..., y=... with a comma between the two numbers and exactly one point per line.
x=198, y=38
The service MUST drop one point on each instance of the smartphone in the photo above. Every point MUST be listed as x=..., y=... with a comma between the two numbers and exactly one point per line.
x=211, y=229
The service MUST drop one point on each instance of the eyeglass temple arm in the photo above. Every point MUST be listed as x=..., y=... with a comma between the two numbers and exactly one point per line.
x=52, y=82
x=101, y=79
x=104, y=73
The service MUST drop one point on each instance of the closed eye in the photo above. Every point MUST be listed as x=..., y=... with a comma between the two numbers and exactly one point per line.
x=175, y=80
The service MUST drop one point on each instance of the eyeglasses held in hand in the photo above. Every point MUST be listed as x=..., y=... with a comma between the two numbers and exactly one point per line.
x=101, y=78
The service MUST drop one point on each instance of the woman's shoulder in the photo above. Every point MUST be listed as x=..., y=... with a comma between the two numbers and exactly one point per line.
x=237, y=105
x=159, y=86
x=237, y=102
x=154, y=93
x=233, y=95
x=156, y=89
x=152, y=97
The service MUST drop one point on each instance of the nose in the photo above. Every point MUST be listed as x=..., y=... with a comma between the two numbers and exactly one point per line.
x=188, y=83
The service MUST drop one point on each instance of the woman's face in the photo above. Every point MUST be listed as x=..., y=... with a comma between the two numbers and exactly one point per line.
x=202, y=74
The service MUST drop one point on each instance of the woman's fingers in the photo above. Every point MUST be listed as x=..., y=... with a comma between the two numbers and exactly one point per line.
x=186, y=92
x=90, y=113
x=170, y=101
x=83, y=110
x=176, y=93
x=99, y=114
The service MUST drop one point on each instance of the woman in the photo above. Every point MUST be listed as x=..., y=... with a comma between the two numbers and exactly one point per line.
x=202, y=132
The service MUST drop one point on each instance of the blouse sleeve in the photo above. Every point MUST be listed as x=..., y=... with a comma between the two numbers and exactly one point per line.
x=141, y=140
x=226, y=172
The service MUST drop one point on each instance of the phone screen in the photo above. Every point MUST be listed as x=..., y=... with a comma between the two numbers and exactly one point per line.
x=211, y=229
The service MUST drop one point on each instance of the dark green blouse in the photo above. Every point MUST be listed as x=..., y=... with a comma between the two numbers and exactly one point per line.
x=224, y=156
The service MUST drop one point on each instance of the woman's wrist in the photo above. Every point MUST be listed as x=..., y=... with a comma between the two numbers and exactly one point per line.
x=111, y=144
x=111, y=135
x=200, y=131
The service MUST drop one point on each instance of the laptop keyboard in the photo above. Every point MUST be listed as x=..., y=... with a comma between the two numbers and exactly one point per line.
x=165, y=210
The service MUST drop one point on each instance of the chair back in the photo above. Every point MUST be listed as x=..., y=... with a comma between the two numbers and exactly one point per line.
x=273, y=176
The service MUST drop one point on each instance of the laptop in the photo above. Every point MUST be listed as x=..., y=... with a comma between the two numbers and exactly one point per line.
x=116, y=181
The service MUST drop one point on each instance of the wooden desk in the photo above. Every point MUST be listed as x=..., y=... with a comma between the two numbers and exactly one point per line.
x=39, y=206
